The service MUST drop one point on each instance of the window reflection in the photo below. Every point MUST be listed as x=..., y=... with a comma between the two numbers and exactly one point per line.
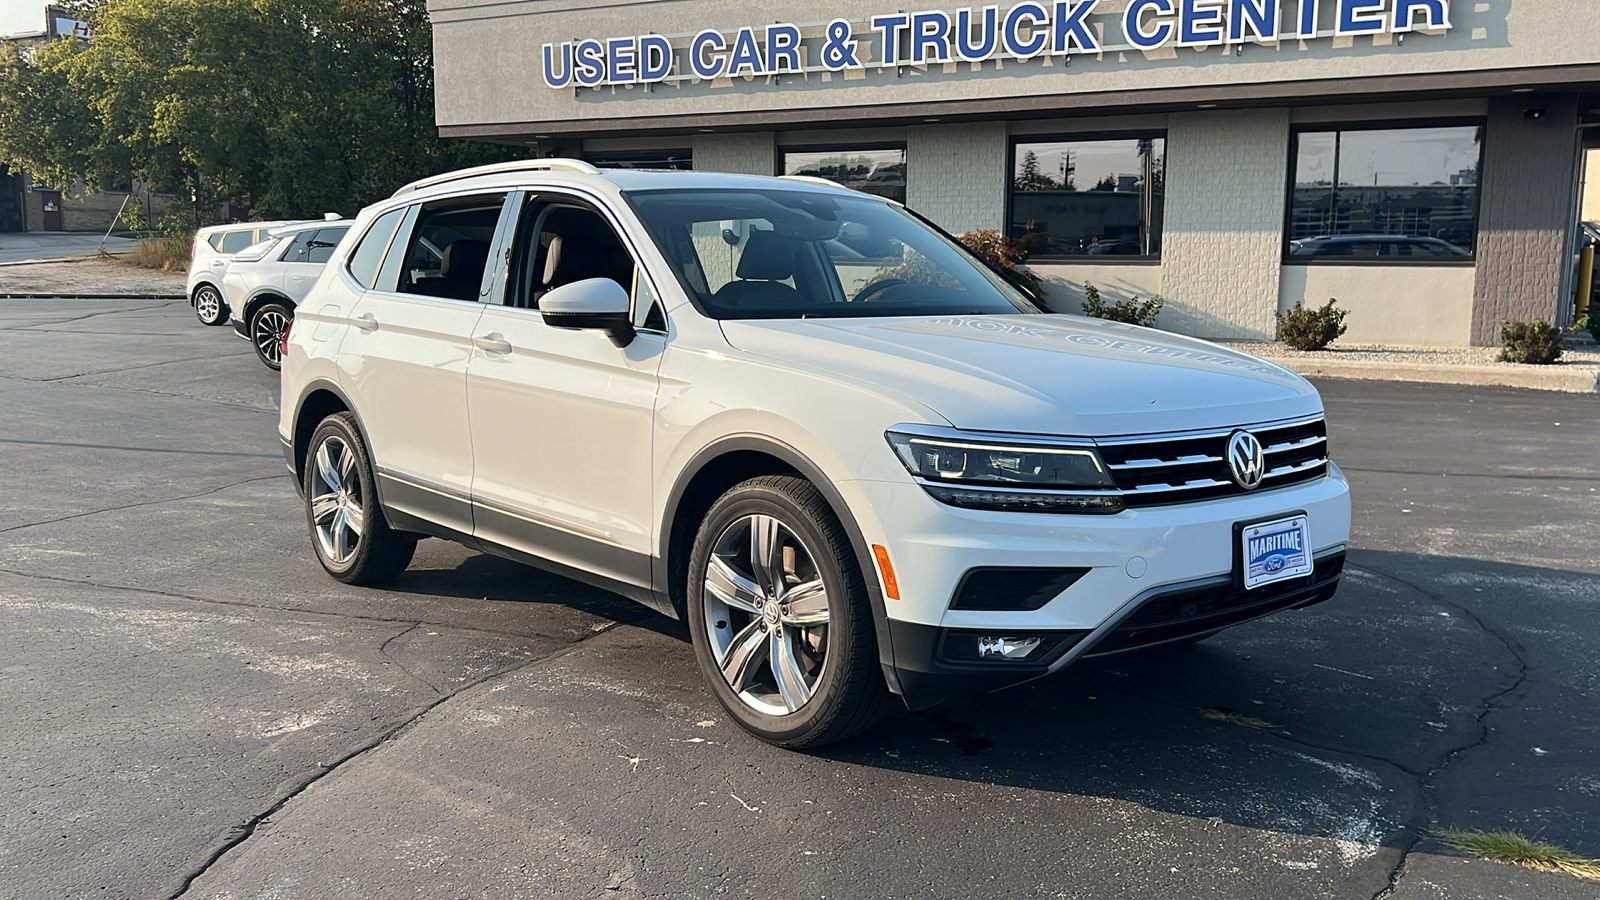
x=1088, y=198
x=1384, y=194
x=873, y=171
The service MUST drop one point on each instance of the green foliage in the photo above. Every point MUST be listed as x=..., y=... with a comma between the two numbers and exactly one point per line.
x=997, y=250
x=1132, y=311
x=1304, y=328
x=1589, y=322
x=302, y=108
x=1535, y=343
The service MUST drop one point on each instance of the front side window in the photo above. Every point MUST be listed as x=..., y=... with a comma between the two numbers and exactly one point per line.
x=559, y=242
x=1385, y=194
x=880, y=171
x=1089, y=198
x=776, y=254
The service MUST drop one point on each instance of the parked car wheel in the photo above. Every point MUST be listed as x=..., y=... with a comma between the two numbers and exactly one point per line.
x=779, y=615
x=266, y=332
x=353, y=540
x=208, y=306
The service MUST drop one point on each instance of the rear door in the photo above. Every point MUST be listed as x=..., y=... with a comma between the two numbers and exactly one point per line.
x=562, y=419
x=303, y=261
x=404, y=358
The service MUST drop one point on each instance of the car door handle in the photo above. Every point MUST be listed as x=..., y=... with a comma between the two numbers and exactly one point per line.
x=367, y=322
x=493, y=343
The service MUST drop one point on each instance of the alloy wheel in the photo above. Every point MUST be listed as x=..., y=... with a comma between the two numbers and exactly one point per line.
x=271, y=323
x=766, y=610
x=336, y=501
x=208, y=305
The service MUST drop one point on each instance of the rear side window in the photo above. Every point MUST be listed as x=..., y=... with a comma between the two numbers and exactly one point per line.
x=320, y=249
x=444, y=250
x=363, y=264
x=234, y=241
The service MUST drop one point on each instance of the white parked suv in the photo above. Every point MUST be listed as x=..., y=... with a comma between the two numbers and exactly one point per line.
x=264, y=282
x=855, y=476
x=213, y=247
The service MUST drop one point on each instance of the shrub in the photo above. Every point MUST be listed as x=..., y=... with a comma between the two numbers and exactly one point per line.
x=998, y=251
x=166, y=254
x=1311, y=329
x=1132, y=311
x=1536, y=343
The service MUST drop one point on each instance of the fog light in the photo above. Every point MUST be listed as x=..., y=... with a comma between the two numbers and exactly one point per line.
x=990, y=647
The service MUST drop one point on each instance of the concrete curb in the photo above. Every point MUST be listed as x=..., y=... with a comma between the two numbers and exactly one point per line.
x=1571, y=379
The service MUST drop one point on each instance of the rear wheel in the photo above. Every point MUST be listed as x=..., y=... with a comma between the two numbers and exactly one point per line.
x=208, y=306
x=779, y=615
x=267, y=327
x=352, y=539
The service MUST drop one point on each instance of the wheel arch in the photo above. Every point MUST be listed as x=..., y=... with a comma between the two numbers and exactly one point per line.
x=258, y=299
x=727, y=462
x=318, y=400
x=205, y=283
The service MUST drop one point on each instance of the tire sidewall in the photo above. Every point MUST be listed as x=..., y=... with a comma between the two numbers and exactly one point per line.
x=339, y=426
x=222, y=308
x=746, y=500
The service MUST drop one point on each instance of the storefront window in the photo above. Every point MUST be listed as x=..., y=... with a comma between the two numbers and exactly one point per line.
x=644, y=159
x=1092, y=198
x=1389, y=194
x=880, y=171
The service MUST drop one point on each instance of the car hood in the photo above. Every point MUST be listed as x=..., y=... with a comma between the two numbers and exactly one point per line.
x=1040, y=374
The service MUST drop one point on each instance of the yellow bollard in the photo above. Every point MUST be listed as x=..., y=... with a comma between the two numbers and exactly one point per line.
x=1585, y=279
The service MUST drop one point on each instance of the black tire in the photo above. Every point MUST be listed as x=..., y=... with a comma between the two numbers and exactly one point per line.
x=208, y=306
x=380, y=553
x=267, y=325
x=848, y=694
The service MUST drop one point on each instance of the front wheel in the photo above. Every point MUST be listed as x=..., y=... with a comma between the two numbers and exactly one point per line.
x=267, y=328
x=779, y=615
x=208, y=306
x=352, y=539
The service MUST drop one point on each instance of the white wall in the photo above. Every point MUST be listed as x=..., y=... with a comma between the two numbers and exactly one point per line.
x=748, y=153
x=1064, y=283
x=1428, y=305
x=1222, y=242
x=956, y=175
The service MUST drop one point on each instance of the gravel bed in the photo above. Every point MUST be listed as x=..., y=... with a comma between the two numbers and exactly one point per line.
x=1587, y=355
x=88, y=276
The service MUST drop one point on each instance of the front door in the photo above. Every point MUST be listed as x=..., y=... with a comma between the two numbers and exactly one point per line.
x=562, y=419
x=405, y=354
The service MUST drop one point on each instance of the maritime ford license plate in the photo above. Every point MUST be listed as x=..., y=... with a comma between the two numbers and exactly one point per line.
x=1276, y=550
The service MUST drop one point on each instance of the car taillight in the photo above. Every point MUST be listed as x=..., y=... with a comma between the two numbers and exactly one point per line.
x=283, y=342
x=194, y=247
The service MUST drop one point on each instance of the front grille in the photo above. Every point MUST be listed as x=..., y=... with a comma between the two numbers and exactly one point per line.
x=1187, y=612
x=1182, y=468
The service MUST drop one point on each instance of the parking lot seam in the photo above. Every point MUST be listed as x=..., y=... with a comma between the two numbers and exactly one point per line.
x=104, y=312
x=238, y=834
x=157, y=502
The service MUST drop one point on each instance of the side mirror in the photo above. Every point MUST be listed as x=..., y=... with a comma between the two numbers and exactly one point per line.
x=597, y=304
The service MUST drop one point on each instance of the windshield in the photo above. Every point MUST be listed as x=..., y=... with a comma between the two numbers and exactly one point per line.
x=777, y=254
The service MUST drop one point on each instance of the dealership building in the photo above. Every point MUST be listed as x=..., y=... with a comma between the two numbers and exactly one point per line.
x=1422, y=161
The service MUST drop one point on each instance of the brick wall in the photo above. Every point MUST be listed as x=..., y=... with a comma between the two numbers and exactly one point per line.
x=1222, y=241
x=752, y=153
x=956, y=175
x=1525, y=213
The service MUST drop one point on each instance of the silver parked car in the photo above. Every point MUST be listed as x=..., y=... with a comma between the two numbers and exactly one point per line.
x=264, y=282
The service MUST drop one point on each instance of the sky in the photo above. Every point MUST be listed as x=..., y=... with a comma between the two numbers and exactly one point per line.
x=21, y=15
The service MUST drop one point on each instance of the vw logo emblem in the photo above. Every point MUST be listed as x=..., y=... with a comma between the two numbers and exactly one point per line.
x=1245, y=461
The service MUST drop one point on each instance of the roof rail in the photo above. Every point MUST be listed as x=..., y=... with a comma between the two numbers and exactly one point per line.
x=520, y=165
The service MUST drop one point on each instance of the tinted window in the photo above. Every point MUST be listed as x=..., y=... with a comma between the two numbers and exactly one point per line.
x=364, y=262
x=234, y=241
x=1415, y=187
x=1089, y=198
x=775, y=254
x=320, y=248
x=881, y=172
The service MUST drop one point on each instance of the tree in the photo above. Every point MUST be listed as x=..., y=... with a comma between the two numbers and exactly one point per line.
x=1031, y=178
x=1108, y=183
x=301, y=108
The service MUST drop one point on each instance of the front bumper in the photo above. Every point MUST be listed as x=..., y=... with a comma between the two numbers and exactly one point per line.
x=1148, y=575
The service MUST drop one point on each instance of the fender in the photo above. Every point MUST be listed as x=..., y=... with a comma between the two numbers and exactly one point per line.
x=798, y=461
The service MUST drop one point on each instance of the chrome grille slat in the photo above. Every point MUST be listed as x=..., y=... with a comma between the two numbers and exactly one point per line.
x=1158, y=463
x=1187, y=467
x=1296, y=445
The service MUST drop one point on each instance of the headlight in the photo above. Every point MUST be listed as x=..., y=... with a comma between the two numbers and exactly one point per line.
x=1005, y=474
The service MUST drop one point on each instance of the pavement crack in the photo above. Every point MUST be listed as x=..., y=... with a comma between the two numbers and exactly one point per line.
x=126, y=506
x=1495, y=475
x=103, y=312
x=383, y=650
x=236, y=835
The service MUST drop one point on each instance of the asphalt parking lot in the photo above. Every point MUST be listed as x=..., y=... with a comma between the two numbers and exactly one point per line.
x=191, y=708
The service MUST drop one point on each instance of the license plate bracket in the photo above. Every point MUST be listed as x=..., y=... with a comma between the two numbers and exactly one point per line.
x=1273, y=550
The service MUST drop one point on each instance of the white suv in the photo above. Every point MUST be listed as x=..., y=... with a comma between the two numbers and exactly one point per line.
x=855, y=476
x=263, y=283
x=213, y=247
